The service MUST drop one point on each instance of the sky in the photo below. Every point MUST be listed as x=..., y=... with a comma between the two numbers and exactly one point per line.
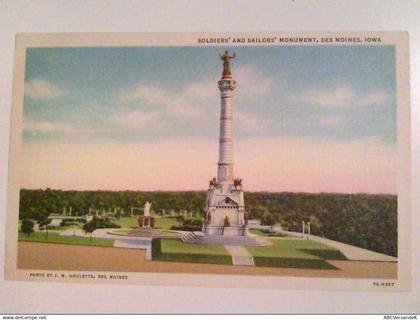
x=305, y=118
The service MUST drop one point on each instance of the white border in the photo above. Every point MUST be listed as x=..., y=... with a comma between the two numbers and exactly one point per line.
x=123, y=16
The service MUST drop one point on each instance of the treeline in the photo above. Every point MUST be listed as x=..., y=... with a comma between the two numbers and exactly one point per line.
x=365, y=220
x=33, y=202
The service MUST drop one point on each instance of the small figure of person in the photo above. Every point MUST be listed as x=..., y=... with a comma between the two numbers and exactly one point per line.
x=227, y=222
x=208, y=217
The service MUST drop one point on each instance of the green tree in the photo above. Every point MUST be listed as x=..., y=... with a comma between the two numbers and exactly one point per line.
x=27, y=227
x=90, y=227
x=43, y=221
x=269, y=219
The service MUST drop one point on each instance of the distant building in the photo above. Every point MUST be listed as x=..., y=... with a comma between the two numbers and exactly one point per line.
x=55, y=222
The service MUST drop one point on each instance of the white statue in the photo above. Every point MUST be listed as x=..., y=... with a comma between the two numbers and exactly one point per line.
x=146, y=207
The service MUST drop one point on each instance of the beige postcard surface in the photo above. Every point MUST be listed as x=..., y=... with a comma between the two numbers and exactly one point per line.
x=262, y=160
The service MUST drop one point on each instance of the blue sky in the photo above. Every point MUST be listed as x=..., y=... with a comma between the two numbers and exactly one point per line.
x=299, y=82
x=126, y=95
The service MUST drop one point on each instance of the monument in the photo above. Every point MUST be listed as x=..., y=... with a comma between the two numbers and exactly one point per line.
x=146, y=220
x=225, y=198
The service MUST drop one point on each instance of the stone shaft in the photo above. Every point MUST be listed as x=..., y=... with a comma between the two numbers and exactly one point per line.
x=225, y=164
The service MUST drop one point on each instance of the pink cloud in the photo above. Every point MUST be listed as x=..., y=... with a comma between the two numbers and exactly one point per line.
x=267, y=164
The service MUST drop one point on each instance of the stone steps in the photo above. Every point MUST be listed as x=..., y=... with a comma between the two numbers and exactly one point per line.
x=242, y=261
x=240, y=256
x=189, y=237
x=228, y=240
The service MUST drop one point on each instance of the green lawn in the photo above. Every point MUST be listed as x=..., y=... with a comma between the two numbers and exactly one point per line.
x=177, y=251
x=55, y=238
x=166, y=223
x=257, y=232
x=61, y=228
x=295, y=253
x=127, y=222
x=284, y=253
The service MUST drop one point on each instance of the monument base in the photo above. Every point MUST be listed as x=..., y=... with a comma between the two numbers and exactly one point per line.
x=146, y=222
x=225, y=231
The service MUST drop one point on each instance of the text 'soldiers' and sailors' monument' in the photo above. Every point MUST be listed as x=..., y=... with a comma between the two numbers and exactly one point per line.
x=225, y=201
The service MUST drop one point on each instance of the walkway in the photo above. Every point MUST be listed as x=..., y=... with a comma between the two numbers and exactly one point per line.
x=240, y=256
x=120, y=241
x=351, y=252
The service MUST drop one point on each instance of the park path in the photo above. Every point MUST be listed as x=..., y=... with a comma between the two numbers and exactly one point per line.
x=240, y=256
x=120, y=241
x=351, y=252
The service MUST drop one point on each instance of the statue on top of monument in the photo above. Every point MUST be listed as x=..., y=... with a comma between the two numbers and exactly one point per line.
x=226, y=63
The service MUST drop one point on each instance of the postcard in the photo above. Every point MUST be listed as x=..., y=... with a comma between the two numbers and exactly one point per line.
x=243, y=159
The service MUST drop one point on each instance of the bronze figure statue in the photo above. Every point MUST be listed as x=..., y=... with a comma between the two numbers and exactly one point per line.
x=226, y=63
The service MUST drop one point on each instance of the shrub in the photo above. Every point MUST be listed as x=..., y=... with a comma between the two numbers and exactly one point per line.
x=192, y=222
x=186, y=228
x=156, y=248
x=98, y=223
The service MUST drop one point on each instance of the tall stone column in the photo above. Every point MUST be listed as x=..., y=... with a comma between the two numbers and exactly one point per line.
x=223, y=200
x=225, y=164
